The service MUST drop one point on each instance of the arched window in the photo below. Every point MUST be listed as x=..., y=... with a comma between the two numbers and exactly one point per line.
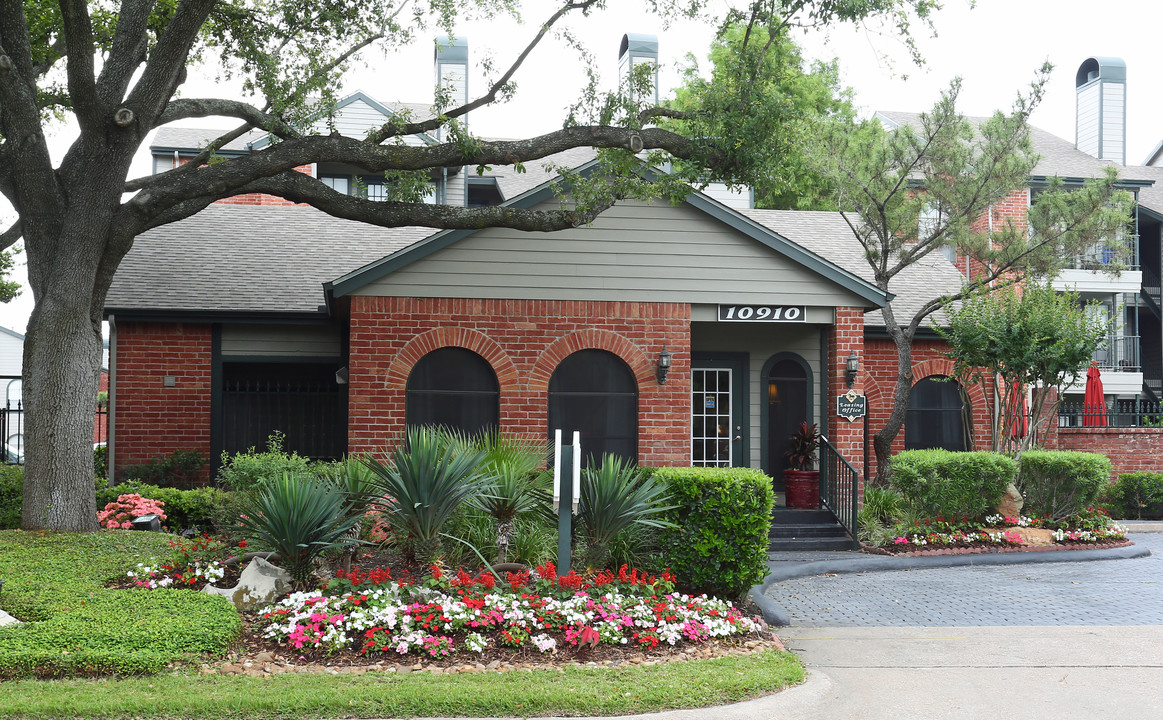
x=594, y=392
x=935, y=417
x=455, y=388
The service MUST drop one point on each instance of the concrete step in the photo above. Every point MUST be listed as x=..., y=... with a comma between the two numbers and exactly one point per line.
x=833, y=529
x=810, y=543
x=786, y=516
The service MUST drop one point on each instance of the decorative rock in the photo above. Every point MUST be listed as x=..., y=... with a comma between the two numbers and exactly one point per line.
x=1011, y=502
x=6, y=619
x=260, y=584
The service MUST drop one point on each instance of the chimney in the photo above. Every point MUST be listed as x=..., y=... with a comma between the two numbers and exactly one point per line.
x=1100, y=128
x=452, y=78
x=635, y=50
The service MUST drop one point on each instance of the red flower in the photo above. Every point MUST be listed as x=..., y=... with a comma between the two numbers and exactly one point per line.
x=241, y=543
x=437, y=573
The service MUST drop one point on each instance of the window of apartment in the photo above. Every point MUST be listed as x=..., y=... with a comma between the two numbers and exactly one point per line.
x=454, y=388
x=371, y=187
x=594, y=392
x=935, y=417
x=483, y=192
x=928, y=222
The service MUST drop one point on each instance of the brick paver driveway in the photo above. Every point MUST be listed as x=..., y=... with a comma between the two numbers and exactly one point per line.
x=1109, y=592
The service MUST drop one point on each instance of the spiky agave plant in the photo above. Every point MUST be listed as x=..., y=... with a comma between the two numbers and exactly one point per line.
x=615, y=495
x=427, y=478
x=517, y=486
x=299, y=516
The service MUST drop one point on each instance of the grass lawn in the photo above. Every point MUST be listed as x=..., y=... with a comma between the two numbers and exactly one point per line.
x=78, y=627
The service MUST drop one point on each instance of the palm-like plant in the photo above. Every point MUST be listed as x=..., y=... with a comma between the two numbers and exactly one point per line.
x=614, y=496
x=299, y=517
x=427, y=478
x=516, y=487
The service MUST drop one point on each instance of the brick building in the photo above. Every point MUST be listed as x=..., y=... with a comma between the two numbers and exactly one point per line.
x=700, y=333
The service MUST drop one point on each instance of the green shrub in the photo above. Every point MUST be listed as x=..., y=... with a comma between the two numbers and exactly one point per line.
x=944, y=484
x=718, y=543
x=884, y=509
x=76, y=626
x=101, y=461
x=198, y=509
x=1060, y=483
x=180, y=469
x=252, y=469
x=11, y=495
x=1134, y=496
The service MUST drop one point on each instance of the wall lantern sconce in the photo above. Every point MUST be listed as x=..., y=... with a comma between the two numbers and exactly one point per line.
x=664, y=360
x=851, y=367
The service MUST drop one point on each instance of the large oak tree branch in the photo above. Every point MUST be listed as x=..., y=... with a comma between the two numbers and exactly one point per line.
x=230, y=177
x=127, y=51
x=78, y=30
x=186, y=108
x=167, y=63
x=9, y=237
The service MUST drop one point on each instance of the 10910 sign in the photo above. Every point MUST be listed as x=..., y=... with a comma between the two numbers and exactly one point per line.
x=762, y=313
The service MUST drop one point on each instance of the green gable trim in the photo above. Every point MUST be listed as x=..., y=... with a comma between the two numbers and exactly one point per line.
x=372, y=272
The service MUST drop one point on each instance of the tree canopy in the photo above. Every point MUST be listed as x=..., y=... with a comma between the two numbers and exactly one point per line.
x=935, y=186
x=117, y=68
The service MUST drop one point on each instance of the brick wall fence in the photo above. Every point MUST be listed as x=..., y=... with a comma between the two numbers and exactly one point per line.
x=523, y=340
x=150, y=419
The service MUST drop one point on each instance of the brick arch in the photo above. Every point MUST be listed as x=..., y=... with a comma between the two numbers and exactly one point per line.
x=945, y=367
x=442, y=337
x=590, y=339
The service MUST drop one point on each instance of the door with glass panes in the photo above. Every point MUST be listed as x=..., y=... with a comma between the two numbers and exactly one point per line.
x=718, y=402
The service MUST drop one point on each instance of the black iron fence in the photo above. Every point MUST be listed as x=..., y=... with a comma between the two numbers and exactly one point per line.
x=12, y=431
x=311, y=416
x=1113, y=413
x=839, y=487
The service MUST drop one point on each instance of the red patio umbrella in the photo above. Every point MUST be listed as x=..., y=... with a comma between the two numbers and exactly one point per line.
x=1093, y=403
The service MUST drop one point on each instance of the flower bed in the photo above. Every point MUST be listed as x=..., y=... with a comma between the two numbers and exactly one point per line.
x=376, y=615
x=996, y=532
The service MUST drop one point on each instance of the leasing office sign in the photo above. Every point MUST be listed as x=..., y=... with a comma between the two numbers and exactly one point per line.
x=763, y=313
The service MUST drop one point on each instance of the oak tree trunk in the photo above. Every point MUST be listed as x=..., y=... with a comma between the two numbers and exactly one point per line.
x=883, y=440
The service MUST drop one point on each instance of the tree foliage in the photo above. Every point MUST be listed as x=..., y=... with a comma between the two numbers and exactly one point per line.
x=1011, y=341
x=916, y=190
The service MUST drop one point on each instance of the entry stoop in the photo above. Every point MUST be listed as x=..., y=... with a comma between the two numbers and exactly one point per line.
x=807, y=530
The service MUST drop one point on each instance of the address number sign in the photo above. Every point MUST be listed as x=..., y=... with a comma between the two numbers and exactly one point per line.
x=762, y=313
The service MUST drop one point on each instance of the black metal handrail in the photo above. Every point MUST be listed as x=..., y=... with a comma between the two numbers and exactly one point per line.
x=1112, y=413
x=839, y=488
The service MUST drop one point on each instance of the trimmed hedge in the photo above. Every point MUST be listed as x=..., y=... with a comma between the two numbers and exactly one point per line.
x=1060, y=483
x=185, y=509
x=723, y=517
x=940, y=483
x=74, y=625
x=1134, y=496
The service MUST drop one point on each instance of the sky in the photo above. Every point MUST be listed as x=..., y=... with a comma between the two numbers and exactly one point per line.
x=995, y=46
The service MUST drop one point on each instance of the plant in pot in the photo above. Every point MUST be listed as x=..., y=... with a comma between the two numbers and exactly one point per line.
x=801, y=480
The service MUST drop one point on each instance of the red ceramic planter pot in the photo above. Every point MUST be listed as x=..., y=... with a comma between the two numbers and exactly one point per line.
x=802, y=488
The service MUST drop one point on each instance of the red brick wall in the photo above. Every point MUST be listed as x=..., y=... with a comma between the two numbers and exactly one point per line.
x=1129, y=449
x=151, y=420
x=523, y=341
x=258, y=198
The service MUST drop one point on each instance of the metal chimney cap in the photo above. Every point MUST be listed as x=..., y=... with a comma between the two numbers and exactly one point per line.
x=452, y=49
x=639, y=45
x=1103, y=68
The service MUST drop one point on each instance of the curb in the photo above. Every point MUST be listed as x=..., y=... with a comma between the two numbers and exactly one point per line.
x=774, y=614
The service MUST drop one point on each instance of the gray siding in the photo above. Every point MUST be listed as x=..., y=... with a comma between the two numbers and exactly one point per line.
x=280, y=341
x=1086, y=138
x=634, y=251
x=355, y=119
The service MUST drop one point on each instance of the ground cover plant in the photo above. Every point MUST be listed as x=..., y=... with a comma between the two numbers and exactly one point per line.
x=993, y=531
x=75, y=625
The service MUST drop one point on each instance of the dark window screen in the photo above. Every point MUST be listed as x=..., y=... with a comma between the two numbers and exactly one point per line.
x=594, y=392
x=935, y=418
x=454, y=388
x=787, y=407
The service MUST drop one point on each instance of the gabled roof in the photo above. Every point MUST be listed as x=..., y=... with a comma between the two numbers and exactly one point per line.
x=767, y=236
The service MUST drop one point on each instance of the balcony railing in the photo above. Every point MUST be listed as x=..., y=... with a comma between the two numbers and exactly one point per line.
x=1124, y=250
x=1119, y=353
x=1113, y=413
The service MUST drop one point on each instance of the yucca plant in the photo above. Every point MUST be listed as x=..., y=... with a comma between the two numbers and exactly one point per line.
x=298, y=516
x=516, y=487
x=614, y=496
x=427, y=478
x=355, y=479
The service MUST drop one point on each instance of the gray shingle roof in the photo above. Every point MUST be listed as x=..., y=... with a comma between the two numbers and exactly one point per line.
x=186, y=138
x=828, y=235
x=1059, y=157
x=248, y=258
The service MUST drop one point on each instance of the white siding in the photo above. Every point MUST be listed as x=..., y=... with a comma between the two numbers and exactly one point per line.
x=738, y=199
x=355, y=119
x=11, y=355
x=280, y=341
x=1114, y=122
x=634, y=251
x=1086, y=137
